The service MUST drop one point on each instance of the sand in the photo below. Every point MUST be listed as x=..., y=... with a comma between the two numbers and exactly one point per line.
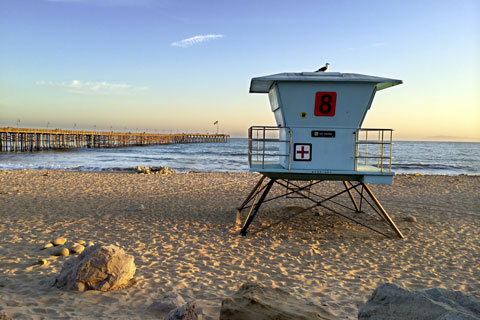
x=183, y=240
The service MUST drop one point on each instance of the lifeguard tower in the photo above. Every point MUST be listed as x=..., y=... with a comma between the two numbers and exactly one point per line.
x=319, y=138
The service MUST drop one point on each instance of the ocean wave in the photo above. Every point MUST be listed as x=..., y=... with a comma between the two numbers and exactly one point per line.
x=429, y=166
x=422, y=157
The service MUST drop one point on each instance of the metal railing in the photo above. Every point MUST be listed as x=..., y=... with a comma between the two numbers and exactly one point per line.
x=264, y=143
x=373, y=147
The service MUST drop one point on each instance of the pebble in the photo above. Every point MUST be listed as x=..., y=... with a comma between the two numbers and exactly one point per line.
x=410, y=219
x=139, y=207
x=91, y=244
x=80, y=286
x=62, y=252
x=42, y=261
x=48, y=245
x=317, y=212
x=59, y=241
x=82, y=242
x=77, y=248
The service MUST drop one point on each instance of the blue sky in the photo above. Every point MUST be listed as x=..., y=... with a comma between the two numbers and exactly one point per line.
x=178, y=66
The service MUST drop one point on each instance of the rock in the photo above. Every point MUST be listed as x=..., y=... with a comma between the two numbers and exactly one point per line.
x=254, y=301
x=145, y=170
x=317, y=212
x=48, y=245
x=154, y=170
x=78, y=248
x=186, y=312
x=91, y=244
x=59, y=241
x=410, y=219
x=100, y=268
x=42, y=261
x=80, y=286
x=81, y=242
x=138, y=207
x=163, y=170
x=3, y=316
x=389, y=301
x=169, y=302
x=61, y=252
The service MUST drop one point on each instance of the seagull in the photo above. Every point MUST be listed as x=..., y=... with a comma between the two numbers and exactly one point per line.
x=323, y=69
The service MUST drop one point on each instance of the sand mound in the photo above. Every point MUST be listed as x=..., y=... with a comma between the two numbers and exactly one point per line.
x=256, y=302
x=183, y=242
x=389, y=301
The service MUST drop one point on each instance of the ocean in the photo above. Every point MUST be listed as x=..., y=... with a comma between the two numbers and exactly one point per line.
x=429, y=158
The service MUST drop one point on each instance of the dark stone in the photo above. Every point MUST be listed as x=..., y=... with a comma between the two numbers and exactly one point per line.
x=186, y=312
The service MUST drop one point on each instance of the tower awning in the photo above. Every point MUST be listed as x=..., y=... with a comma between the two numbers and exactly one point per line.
x=263, y=84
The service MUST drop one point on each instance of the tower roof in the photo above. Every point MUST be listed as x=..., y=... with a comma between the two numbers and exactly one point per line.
x=263, y=84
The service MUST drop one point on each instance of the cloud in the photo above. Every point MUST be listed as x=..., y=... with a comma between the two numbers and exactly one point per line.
x=195, y=40
x=78, y=86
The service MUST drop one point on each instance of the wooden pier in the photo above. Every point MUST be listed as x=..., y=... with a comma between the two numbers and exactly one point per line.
x=30, y=140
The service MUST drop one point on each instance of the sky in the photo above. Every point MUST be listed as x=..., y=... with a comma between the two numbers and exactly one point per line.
x=181, y=65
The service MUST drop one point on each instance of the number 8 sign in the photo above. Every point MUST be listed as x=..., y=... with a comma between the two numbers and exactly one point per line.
x=325, y=103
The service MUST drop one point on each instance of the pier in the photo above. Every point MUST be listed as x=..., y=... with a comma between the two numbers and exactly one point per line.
x=30, y=140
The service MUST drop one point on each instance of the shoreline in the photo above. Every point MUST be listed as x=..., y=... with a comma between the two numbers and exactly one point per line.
x=134, y=170
x=184, y=240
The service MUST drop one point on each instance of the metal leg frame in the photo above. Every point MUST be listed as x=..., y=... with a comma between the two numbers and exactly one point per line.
x=357, y=208
x=254, y=208
x=384, y=212
x=252, y=193
x=295, y=189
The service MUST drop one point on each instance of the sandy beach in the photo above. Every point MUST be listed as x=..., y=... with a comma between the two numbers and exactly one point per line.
x=184, y=240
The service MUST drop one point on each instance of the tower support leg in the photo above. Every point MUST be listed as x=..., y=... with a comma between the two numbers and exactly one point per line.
x=383, y=212
x=250, y=195
x=254, y=209
x=253, y=193
x=357, y=208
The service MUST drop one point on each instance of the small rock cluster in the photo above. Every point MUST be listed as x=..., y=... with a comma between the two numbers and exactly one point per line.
x=155, y=170
x=61, y=248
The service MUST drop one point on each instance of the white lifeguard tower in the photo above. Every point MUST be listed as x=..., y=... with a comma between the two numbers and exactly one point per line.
x=319, y=138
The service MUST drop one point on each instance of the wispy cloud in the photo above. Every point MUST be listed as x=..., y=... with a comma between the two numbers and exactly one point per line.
x=78, y=86
x=195, y=40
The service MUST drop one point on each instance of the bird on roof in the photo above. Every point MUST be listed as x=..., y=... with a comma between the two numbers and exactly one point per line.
x=323, y=69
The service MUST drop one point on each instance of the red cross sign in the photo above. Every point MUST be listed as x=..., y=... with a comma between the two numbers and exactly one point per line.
x=302, y=152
